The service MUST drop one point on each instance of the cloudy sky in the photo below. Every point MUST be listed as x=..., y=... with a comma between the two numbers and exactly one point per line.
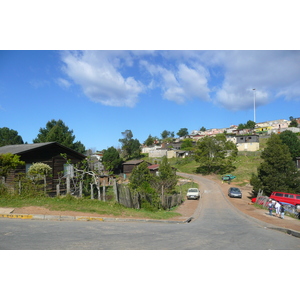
x=99, y=94
x=154, y=87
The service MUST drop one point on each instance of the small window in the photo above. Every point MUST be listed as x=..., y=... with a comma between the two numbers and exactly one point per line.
x=27, y=166
x=298, y=197
x=279, y=194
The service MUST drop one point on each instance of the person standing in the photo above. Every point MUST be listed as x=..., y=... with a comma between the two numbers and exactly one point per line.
x=282, y=212
x=277, y=208
x=270, y=207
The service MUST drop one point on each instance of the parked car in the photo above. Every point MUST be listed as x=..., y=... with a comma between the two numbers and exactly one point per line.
x=289, y=198
x=234, y=192
x=193, y=193
x=228, y=177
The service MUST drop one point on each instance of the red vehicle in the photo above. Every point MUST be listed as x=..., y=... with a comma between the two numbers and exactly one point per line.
x=293, y=199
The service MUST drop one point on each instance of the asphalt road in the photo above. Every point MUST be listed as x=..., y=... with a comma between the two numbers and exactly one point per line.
x=217, y=226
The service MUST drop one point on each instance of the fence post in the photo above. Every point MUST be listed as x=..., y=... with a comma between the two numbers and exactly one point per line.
x=80, y=189
x=68, y=184
x=57, y=190
x=115, y=188
x=103, y=194
x=92, y=191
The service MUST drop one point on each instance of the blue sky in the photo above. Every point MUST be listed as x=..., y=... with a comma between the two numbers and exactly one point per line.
x=99, y=94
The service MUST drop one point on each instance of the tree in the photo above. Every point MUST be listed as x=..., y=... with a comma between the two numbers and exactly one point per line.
x=291, y=139
x=39, y=171
x=293, y=123
x=9, y=162
x=215, y=155
x=167, y=178
x=141, y=178
x=131, y=147
x=111, y=159
x=277, y=172
x=187, y=144
x=150, y=140
x=57, y=131
x=167, y=134
x=202, y=129
x=182, y=132
x=249, y=125
x=9, y=137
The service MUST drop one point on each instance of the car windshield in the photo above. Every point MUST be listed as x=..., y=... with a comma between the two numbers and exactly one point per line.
x=235, y=190
x=193, y=190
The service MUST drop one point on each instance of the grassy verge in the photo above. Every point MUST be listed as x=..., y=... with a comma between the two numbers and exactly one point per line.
x=111, y=208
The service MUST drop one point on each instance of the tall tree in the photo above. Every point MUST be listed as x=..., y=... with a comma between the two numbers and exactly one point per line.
x=130, y=147
x=9, y=137
x=277, y=172
x=167, y=134
x=291, y=139
x=150, y=140
x=166, y=181
x=182, y=132
x=215, y=155
x=57, y=131
x=111, y=159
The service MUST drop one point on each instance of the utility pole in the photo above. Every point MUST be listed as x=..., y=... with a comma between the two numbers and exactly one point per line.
x=254, y=106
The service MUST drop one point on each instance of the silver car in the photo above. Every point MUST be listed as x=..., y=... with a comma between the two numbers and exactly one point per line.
x=234, y=192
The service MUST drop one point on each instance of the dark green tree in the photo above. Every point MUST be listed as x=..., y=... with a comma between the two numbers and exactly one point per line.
x=277, y=172
x=215, y=155
x=141, y=178
x=9, y=137
x=111, y=159
x=182, y=132
x=291, y=139
x=202, y=128
x=249, y=125
x=167, y=134
x=131, y=148
x=150, y=140
x=57, y=131
x=167, y=179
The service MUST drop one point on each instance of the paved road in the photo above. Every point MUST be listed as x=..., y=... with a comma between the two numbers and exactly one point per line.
x=217, y=226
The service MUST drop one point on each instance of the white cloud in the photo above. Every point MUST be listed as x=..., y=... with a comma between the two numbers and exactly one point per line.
x=97, y=74
x=271, y=73
x=181, y=83
x=63, y=83
x=225, y=77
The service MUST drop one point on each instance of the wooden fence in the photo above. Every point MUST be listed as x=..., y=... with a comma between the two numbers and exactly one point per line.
x=131, y=199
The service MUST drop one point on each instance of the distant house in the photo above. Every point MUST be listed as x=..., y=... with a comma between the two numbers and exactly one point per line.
x=128, y=166
x=47, y=153
x=247, y=142
x=154, y=169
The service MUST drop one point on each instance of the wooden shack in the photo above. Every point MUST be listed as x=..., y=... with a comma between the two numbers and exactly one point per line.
x=129, y=165
x=47, y=153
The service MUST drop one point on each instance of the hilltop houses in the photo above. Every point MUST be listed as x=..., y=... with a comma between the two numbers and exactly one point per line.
x=245, y=139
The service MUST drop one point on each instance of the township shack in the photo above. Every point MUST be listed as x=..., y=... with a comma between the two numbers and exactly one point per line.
x=47, y=153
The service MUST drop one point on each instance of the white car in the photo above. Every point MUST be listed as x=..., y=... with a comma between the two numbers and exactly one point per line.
x=193, y=193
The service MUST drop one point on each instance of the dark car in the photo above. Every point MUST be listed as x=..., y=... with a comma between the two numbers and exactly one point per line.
x=234, y=192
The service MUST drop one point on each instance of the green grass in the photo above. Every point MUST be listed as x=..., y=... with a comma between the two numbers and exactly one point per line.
x=84, y=205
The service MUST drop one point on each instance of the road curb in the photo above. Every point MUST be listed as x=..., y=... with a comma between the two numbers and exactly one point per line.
x=86, y=218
